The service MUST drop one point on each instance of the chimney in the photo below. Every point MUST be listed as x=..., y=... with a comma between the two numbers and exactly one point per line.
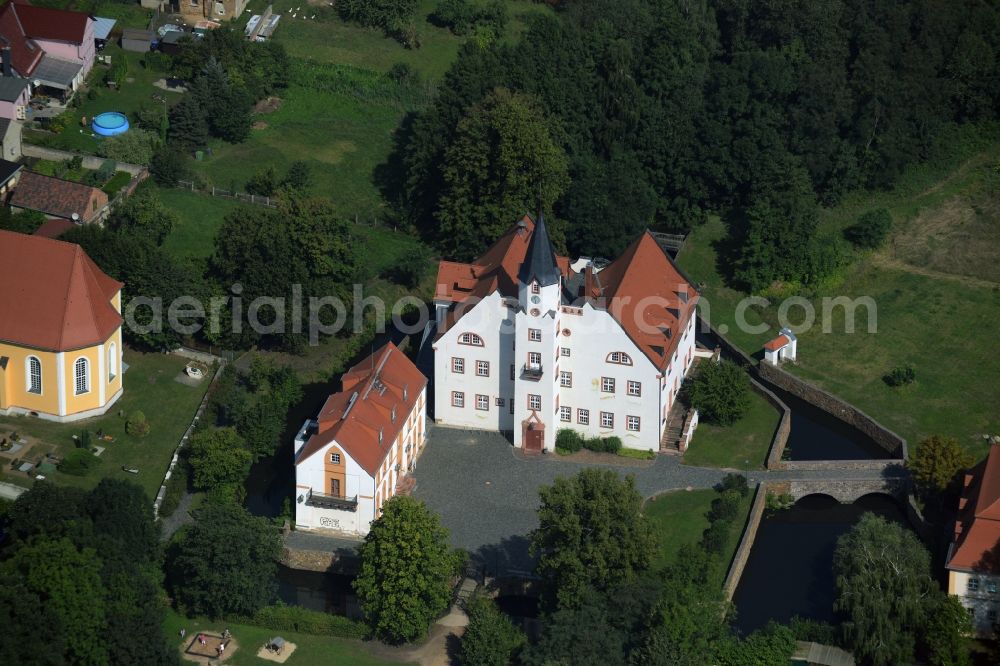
x=7, y=71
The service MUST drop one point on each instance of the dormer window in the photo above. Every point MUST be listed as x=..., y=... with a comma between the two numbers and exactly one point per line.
x=380, y=435
x=393, y=414
x=621, y=358
x=470, y=339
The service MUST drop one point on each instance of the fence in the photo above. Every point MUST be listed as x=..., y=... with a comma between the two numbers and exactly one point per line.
x=214, y=191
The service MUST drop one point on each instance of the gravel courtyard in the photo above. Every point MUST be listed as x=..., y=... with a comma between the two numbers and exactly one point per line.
x=487, y=494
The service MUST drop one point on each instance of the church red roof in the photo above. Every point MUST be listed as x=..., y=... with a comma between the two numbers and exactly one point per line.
x=377, y=396
x=52, y=295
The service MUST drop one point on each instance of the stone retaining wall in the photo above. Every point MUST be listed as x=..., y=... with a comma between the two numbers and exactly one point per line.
x=746, y=542
x=784, y=426
x=810, y=465
x=835, y=406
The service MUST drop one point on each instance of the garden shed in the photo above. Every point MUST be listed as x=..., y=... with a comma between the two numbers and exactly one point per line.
x=137, y=40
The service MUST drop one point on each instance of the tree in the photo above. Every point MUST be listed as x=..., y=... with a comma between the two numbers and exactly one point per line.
x=720, y=392
x=219, y=458
x=120, y=513
x=263, y=183
x=224, y=563
x=298, y=176
x=169, y=166
x=503, y=163
x=145, y=215
x=490, y=638
x=870, y=230
x=772, y=645
x=49, y=510
x=591, y=534
x=135, y=146
x=581, y=635
x=944, y=636
x=936, y=464
x=378, y=13
x=406, y=571
x=188, y=124
x=137, y=425
x=883, y=572
x=22, y=613
x=68, y=581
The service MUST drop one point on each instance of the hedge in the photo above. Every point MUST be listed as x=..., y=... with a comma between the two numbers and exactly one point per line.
x=280, y=617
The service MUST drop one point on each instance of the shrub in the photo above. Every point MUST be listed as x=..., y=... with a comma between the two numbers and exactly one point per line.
x=611, y=444
x=137, y=425
x=74, y=163
x=169, y=166
x=779, y=502
x=491, y=638
x=721, y=392
x=870, y=230
x=715, y=537
x=736, y=482
x=263, y=183
x=83, y=440
x=136, y=146
x=456, y=15
x=725, y=507
x=280, y=617
x=298, y=176
x=78, y=462
x=569, y=440
x=900, y=376
x=176, y=487
x=116, y=75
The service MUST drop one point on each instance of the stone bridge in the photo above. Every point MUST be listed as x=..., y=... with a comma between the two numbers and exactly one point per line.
x=844, y=490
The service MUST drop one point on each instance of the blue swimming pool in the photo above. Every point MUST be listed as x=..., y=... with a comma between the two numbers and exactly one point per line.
x=111, y=123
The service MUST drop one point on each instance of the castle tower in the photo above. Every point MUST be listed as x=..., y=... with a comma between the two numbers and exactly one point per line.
x=536, y=346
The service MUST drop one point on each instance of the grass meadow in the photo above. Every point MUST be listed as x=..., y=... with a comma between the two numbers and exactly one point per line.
x=749, y=439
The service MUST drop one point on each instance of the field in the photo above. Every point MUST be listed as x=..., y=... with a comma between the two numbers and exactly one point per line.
x=678, y=519
x=168, y=405
x=935, y=304
x=746, y=440
x=310, y=650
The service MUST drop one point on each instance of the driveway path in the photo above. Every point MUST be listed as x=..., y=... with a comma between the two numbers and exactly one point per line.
x=487, y=494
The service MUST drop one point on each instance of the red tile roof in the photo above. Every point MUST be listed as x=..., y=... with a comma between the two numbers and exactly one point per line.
x=977, y=529
x=57, y=197
x=55, y=24
x=496, y=270
x=645, y=276
x=384, y=383
x=777, y=343
x=24, y=53
x=52, y=295
x=54, y=228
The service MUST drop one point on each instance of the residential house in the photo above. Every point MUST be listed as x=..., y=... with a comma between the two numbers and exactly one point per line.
x=60, y=330
x=524, y=344
x=14, y=95
x=973, y=560
x=58, y=198
x=9, y=173
x=10, y=139
x=358, y=451
x=213, y=10
x=53, y=47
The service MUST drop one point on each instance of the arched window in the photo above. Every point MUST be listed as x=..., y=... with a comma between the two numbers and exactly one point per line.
x=81, y=376
x=470, y=339
x=621, y=358
x=33, y=375
x=112, y=362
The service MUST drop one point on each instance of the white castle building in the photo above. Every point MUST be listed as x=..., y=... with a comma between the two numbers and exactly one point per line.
x=527, y=345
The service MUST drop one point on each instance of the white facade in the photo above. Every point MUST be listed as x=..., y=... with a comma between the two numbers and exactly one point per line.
x=612, y=387
x=334, y=491
x=980, y=593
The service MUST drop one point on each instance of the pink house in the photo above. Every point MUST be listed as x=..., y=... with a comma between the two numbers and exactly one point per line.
x=51, y=46
x=14, y=95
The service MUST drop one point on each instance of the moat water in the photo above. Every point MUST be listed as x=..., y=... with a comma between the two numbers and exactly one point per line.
x=790, y=568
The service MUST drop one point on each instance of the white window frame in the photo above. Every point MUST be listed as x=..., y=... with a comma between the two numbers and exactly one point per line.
x=482, y=368
x=583, y=416
x=564, y=351
x=29, y=384
x=972, y=584
x=565, y=379
x=566, y=414
x=482, y=402
x=458, y=399
x=334, y=458
x=112, y=362
x=607, y=384
x=619, y=358
x=534, y=335
x=81, y=378
x=608, y=420
x=634, y=388
x=633, y=423
x=470, y=339
x=458, y=365
x=534, y=358
x=535, y=402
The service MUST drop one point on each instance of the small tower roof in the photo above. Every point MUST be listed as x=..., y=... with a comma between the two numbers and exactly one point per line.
x=540, y=260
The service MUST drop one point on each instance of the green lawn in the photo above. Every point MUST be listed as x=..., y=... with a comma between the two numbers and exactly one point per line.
x=678, y=518
x=340, y=138
x=747, y=439
x=150, y=387
x=199, y=218
x=942, y=323
x=329, y=39
x=310, y=650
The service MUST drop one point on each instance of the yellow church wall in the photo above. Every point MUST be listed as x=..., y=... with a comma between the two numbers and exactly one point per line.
x=16, y=392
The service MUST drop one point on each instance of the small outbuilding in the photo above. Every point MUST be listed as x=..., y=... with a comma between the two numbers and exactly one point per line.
x=782, y=348
x=137, y=40
x=102, y=30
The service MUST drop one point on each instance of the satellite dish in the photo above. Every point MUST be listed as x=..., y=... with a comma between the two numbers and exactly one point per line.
x=76, y=217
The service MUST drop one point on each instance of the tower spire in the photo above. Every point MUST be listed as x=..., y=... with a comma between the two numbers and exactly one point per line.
x=540, y=260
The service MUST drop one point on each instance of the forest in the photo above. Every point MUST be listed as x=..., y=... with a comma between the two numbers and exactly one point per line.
x=616, y=116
